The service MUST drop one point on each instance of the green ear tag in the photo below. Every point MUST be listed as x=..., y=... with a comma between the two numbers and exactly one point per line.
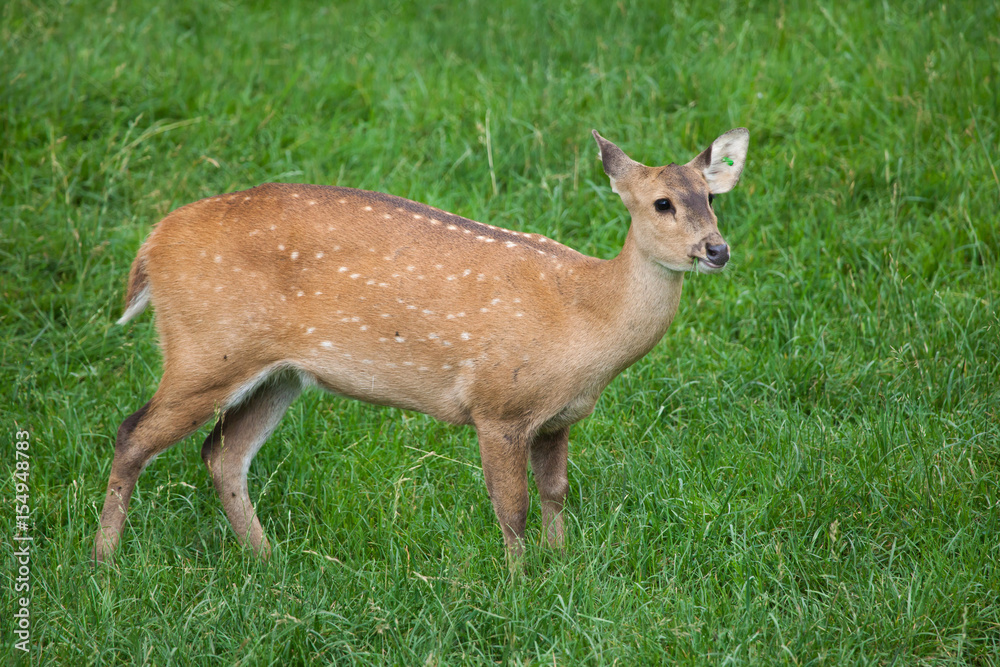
x=728, y=160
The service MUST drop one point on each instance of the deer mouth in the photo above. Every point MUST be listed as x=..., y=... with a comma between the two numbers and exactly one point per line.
x=702, y=265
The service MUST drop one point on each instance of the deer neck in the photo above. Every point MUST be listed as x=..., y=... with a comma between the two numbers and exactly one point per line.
x=633, y=300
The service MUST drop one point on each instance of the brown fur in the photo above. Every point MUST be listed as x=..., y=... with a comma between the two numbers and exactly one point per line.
x=371, y=296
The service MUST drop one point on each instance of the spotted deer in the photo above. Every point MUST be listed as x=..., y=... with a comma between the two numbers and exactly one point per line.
x=262, y=293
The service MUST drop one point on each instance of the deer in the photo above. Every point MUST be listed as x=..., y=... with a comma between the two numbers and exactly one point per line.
x=263, y=293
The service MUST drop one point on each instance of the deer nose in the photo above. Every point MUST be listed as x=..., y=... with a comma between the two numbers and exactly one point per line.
x=717, y=254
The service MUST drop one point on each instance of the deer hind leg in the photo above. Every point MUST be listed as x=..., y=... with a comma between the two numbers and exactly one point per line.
x=235, y=440
x=503, y=448
x=548, y=464
x=171, y=415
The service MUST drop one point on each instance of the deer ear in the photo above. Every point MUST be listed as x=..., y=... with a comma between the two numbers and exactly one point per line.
x=616, y=163
x=722, y=162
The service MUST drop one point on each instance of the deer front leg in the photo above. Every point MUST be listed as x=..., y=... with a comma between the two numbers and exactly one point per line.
x=503, y=448
x=548, y=463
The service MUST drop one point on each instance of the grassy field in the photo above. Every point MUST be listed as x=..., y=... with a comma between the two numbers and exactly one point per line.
x=805, y=471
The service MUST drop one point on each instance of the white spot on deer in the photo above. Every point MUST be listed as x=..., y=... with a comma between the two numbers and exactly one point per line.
x=446, y=367
x=417, y=216
x=366, y=361
x=282, y=297
x=355, y=276
x=490, y=240
x=517, y=299
x=295, y=195
x=281, y=246
x=319, y=255
x=347, y=355
x=450, y=316
x=446, y=343
x=355, y=319
x=518, y=314
x=423, y=368
x=480, y=238
x=218, y=259
x=510, y=244
x=370, y=281
x=203, y=253
x=480, y=277
x=383, y=340
x=301, y=293
x=468, y=362
x=420, y=277
x=451, y=277
x=326, y=343
x=368, y=208
x=410, y=268
x=466, y=231
x=310, y=330
x=452, y=228
x=484, y=310
x=432, y=336
x=435, y=221
x=542, y=239
x=312, y=202
x=542, y=276
x=246, y=199
x=295, y=254
x=407, y=363
x=411, y=307
x=364, y=327
x=254, y=232
x=386, y=315
x=439, y=266
x=342, y=269
x=465, y=335
x=273, y=227
x=218, y=288
x=387, y=216
x=341, y=201
x=495, y=301
x=466, y=272
x=400, y=339
x=427, y=312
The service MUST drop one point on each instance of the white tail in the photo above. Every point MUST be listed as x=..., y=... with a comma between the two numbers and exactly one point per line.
x=261, y=293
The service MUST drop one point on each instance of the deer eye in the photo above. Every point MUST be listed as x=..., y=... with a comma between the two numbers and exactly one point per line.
x=662, y=204
x=711, y=198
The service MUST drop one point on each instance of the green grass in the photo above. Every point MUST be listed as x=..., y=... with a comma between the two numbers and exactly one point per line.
x=805, y=471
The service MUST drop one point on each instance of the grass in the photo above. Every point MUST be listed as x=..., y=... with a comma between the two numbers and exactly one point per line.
x=805, y=471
